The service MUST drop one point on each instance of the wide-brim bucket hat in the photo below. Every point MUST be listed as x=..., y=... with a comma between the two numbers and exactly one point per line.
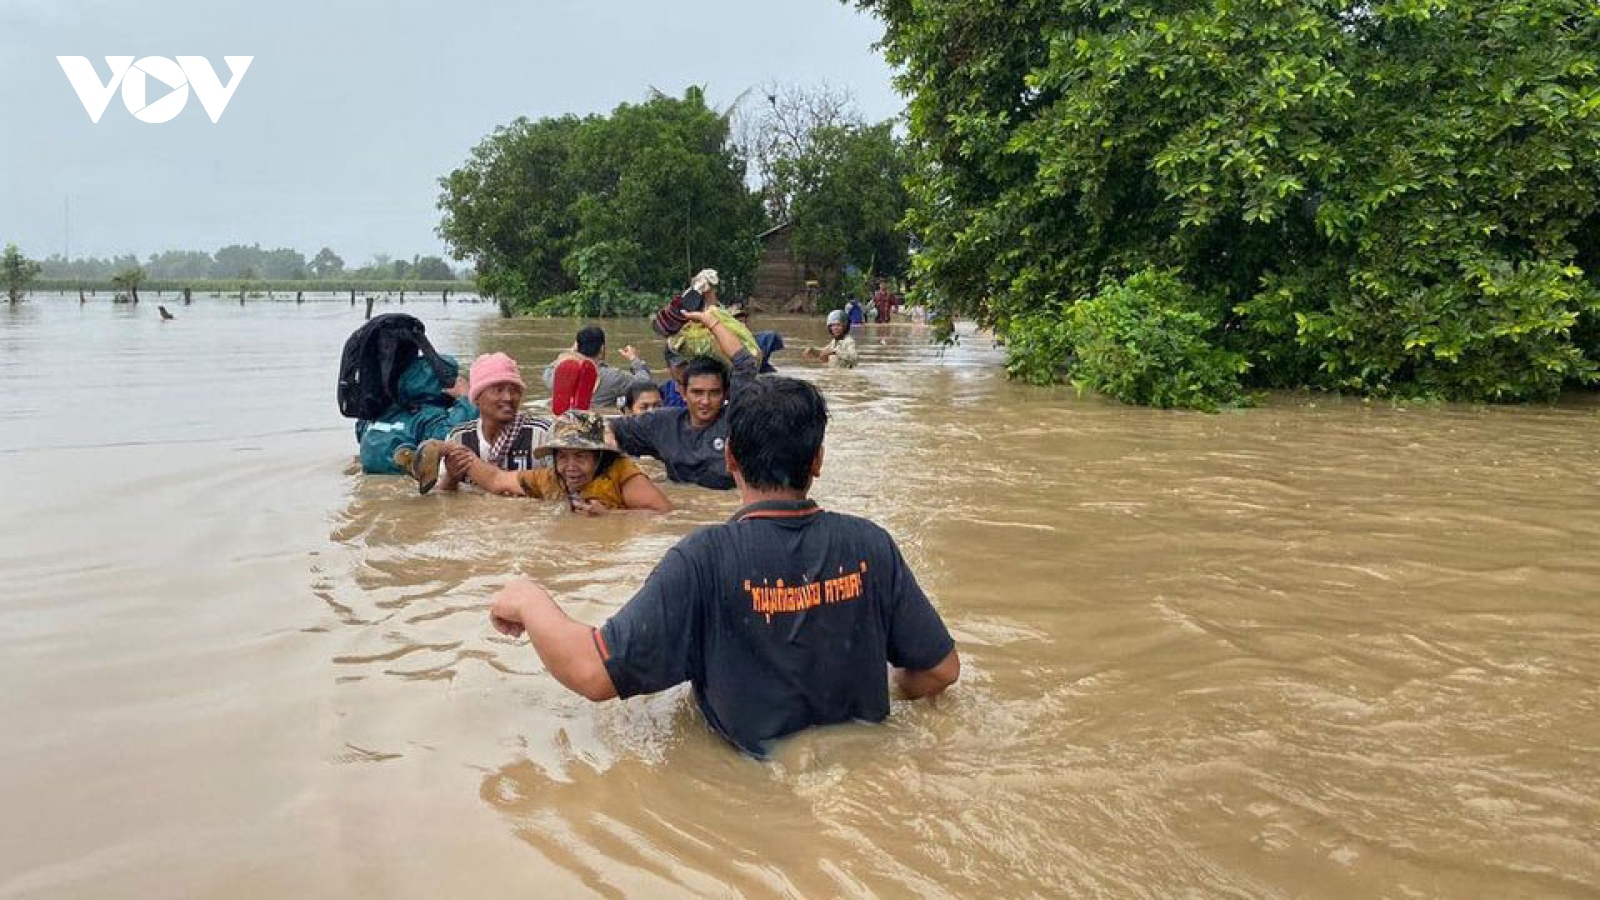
x=577, y=429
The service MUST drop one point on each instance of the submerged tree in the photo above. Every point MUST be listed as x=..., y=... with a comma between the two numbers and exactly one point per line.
x=1392, y=196
x=18, y=272
x=129, y=280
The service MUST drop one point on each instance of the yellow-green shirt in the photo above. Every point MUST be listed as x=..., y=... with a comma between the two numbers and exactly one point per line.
x=605, y=488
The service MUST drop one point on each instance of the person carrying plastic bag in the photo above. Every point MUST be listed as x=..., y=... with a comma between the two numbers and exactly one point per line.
x=690, y=339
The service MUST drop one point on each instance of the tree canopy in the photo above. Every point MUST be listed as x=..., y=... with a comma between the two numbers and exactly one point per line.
x=848, y=197
x=635, y=201
x=1399, y=196
x=838, y=180
x=17, y=272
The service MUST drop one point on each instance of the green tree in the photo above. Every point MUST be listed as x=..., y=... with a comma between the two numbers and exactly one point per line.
x=179, y=264
x=1400, y=196
x=284, y=263
x=661, y=174
x=129, y=280
x=783, y=129
x=18, y=271
x=238, y=261
x=431, y=268
x=326, y=264
x=848, y=198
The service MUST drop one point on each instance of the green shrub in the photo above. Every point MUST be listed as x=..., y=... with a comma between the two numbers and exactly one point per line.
x=1151, y=340
x=1039, y=347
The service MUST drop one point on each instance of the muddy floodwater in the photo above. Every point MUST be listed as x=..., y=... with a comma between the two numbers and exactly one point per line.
x=1320, y=648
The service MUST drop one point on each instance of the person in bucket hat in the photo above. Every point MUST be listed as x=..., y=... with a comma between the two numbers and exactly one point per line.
x=587, y=473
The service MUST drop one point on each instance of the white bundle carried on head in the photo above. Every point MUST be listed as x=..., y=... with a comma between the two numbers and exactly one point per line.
x=705, y=280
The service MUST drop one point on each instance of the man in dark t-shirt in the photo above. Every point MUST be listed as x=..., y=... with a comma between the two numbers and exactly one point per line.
x=689, y=440
x=783, y=618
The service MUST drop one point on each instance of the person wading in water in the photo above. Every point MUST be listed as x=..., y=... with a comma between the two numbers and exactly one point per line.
x=690, y=440
x=783, y=618
x=593, y=478
x=502, y=436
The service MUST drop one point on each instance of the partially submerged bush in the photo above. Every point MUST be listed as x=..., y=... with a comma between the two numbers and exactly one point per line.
x=1039, y=347
x=1151, y=340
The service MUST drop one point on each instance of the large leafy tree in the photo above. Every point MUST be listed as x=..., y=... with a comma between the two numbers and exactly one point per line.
x=326, y=264
x=658, y=180
x=848, y=198
x=1391, y=196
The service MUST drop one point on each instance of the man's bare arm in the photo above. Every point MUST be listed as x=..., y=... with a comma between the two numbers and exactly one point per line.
x=917, y=683
x=727, y=341
x=565, y=646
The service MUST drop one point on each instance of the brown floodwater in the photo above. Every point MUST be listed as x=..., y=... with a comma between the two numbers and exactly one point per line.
x=1319, y=648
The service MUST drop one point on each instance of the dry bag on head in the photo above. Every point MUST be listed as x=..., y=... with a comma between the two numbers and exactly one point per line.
x=374, y=358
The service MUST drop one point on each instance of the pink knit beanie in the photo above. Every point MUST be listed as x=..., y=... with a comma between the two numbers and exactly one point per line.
x=489, y=370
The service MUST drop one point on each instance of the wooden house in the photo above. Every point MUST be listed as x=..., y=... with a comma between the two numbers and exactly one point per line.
x=781, y=279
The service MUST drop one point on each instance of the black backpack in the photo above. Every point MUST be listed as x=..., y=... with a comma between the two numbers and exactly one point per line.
x=374, y=358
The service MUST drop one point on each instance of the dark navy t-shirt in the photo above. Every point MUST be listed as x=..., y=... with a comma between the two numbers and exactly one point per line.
x=783, y=618
x=692, y=455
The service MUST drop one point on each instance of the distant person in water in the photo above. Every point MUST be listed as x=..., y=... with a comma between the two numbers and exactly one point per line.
x=609, y=383
x=854, y=313
x=841, y=351
x=590, y=476
x=784, y=618
x=672, y=388
x=883, y=304
x=770, y=342
x=641, y=398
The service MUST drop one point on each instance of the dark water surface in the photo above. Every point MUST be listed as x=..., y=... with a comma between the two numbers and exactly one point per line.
x=1322, y=648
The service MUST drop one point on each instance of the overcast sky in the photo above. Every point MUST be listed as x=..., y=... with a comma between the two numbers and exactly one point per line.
x=350, y=112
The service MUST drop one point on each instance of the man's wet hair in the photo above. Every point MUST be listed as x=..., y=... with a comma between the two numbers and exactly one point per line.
x=590, y=339
x=706, y=365
x=775, y=428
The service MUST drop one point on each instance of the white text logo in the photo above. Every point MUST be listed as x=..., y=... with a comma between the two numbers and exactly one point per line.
x=134, y=77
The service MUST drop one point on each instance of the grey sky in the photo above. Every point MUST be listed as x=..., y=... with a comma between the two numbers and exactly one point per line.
x=349, y=112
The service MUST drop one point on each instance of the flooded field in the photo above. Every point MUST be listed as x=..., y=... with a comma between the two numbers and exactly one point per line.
x=1320, y=648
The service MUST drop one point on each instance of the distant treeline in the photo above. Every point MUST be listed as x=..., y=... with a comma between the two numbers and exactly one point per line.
x=231, y=286
x=238, y=262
